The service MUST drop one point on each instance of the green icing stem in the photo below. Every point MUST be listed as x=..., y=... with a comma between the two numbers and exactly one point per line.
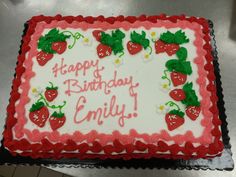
x=150, y=48
x=51, y=106
x=165, y=77
x=153, y=40
x=75, y=36
x=122, y=53
x=171, y=104
x=51, y=84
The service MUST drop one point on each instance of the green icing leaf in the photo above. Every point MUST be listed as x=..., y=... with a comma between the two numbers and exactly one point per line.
x=178, y=37
x=45, y=42
x=117, y=46
x=191, y=98
x=36, y=106
x=140, y=39
x=114, y=40
x=118, y=34
x=51, y=88
x=57, y=114
x=179, y=66
x=168, y=37
x=182, y=53
x=106, y=39
x=177, y=112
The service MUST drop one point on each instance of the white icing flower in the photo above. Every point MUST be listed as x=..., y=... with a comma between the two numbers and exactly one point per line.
x=147, y=57
x=87, y=41
x=36, y=91
x=162, y=108
x=165, y=87
x=117, y=62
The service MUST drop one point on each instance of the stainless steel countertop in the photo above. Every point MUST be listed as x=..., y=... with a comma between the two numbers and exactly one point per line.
x=14, y=13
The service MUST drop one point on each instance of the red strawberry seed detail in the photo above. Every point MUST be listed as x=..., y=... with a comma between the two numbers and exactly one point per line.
x=160, y=46
x=173, y=121
x=59, y=47
x=171, y=49
x=193, y=112
x=103, y=50
x=177, y=94
x=133, y=48
x=97, y=34
x=40, y=116
x=43, y=58
x=56, y=122
x=51, y=94
x=178, y=78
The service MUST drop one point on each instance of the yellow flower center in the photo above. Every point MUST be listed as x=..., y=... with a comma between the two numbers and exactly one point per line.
x=117, y=61
x=165, y=86
x=153, y=34
x=146, y=56
x=161, y=107
x=34, y=90
x=86, y=40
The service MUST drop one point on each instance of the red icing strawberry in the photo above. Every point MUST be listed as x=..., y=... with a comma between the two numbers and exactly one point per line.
x=51, y=92
x=103, y=50
x=57, y=120
x=177, y=94
x=43, y=57
x=134, y=48
x=171, y=49
x=160, y=46
x=193, y=112
x=178, y=78
x=174, y=119
x=39, y=114
x=59, y=47
x=97, y=34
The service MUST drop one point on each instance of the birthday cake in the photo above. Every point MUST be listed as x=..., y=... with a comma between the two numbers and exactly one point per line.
x=116, y=87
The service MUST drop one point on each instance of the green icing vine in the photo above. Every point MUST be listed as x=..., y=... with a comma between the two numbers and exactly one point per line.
x=140, y=39
x=165, y=77
x=41, y=98
x=76, y=36
x=114, y=41
x=178, y=37
x=172, y=104
x=150, y=50
x=45, y=42
x=176, y=110
x=191, y=97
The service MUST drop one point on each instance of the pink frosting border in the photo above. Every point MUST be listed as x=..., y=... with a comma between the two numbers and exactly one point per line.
x=36, y=135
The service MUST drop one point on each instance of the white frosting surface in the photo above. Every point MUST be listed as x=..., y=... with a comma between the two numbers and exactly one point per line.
x=149, y=92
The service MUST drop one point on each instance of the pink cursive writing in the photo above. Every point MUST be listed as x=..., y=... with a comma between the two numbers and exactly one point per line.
x=62, y=68
x=101, y=113
x=74, y=86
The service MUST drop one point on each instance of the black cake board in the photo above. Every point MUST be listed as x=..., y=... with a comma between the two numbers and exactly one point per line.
x=224, y=162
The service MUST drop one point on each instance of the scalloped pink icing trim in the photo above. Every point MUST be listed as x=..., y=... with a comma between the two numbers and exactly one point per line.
x=36, y=136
